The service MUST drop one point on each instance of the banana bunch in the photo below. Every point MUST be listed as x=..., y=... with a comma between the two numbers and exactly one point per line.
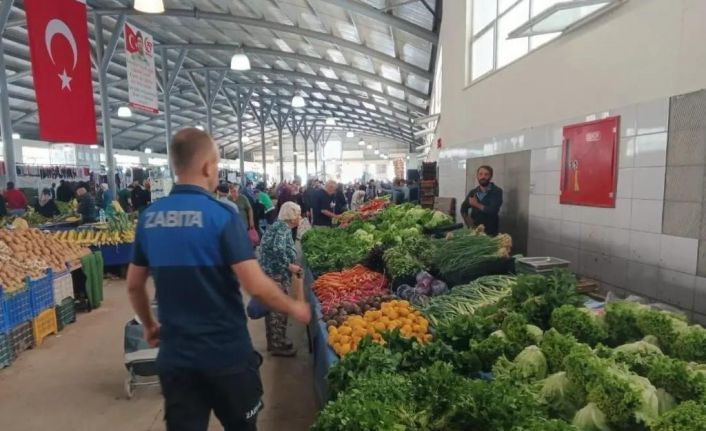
x=86, y=238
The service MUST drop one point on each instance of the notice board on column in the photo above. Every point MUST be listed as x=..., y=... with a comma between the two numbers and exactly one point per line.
x=589, y=163
x=141, y=79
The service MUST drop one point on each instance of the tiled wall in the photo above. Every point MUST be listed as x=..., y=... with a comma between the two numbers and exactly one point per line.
x=623, y=247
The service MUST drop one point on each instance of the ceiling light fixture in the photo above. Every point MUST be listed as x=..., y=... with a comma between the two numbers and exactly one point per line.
x=246, y=139
x=330, y=121
x=298, y=101
x=350, y=134
x=239, y=61
x=124, y=112
x=16, y=136
x=149, y=6
x=200, y=127
x=275, y=147
x=148, y=150
x=370, y=146
x=377, y=152
x=94, y=147
x=361, y=143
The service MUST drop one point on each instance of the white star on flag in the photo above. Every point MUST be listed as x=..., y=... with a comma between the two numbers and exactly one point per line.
x=65, y=80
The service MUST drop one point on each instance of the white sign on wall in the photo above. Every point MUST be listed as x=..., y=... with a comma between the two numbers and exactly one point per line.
x=141, y=78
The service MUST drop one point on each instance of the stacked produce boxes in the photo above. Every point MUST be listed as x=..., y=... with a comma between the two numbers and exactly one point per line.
x=429, y=186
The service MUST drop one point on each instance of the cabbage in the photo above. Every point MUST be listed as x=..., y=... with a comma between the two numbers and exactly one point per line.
x=535, y=332
x=640, y=348
x=438, y=287
x=649, y=401
x=590, y=418
x=498, y=333
x=666, y=401
x=531, y=363
x=560, y=395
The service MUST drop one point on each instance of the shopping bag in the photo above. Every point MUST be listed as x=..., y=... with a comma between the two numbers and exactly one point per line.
x=297, y=286
x=256, y=310
x=254, y=237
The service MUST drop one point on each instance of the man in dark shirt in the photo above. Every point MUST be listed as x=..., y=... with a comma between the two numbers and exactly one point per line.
x=86, y=204
x=199, y=254
x=482, y=205
x=324, y=205
x=140, y=197
x=64, y=193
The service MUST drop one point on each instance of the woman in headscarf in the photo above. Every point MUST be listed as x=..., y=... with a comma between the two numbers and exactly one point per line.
x=46, y=207
x=277, y=256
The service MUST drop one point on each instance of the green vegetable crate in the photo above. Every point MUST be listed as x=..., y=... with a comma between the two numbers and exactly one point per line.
x=65, y=313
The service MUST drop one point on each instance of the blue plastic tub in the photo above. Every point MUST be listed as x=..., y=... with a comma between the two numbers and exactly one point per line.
x=41, y=293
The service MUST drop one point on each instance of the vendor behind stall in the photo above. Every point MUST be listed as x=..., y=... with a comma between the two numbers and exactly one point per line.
x=482, y=205
x=86, y=204
x=46, y=207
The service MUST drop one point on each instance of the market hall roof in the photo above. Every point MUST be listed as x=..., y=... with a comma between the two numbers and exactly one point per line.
x=367, y=63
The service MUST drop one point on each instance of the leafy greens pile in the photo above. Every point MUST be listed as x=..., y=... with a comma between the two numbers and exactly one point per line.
x=554, y=366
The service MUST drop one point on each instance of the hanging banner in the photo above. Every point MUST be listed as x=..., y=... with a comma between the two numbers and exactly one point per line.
x=61, y=70
x=141, y=79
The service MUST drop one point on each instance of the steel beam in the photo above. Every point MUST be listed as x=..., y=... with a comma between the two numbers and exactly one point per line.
x=103, y=59
x=296, y=87
x=332, y=65
x=18, y=76
x=5, y=120
x=275, y=26
x=391, y=20
x=258, y=71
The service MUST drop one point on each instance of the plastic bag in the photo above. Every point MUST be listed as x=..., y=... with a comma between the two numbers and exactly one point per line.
x=256, y=310
x=254, y=237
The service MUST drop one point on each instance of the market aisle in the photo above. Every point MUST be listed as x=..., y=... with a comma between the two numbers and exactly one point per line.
x=75, y=382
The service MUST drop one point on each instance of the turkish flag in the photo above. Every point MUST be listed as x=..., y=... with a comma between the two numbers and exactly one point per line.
x=61, y=69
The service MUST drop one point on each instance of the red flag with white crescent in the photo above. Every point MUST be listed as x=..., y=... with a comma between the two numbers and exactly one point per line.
x=61, y=70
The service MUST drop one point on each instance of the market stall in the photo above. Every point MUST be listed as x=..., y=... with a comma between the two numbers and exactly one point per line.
x=461, y=340
x=36, y=288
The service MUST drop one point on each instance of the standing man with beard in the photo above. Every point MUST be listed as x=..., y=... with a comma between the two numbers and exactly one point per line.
x=482, y=205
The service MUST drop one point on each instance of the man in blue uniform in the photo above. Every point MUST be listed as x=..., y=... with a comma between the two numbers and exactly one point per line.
x=199, y=255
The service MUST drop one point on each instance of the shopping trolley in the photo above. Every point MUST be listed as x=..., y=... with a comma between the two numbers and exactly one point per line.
x=140, y=358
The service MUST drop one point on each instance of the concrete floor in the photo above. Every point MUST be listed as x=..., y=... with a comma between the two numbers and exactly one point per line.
x=74, y=381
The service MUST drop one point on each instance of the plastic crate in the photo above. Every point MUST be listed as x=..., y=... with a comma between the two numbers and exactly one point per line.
x=5, y=351
x=65, y=313
x=17, y=309
x=63, y=286
x=41, y=293
x=21, y=338
x=43, y=325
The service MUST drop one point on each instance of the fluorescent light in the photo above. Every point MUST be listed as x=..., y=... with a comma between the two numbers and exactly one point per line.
x=239, y=61
x=330, y=121
x=148, y=150
x=298, y=102
x=124, y=112
x=16, y=136
x=377, y=152
x=149, y=6
x=370, y=146
x=200, y=127
x=408, y=157
x=246, y=139
x=350, y=134
x=361, y=143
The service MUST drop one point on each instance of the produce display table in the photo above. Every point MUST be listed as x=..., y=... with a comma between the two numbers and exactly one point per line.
x=324, y=357
x=115, y=255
